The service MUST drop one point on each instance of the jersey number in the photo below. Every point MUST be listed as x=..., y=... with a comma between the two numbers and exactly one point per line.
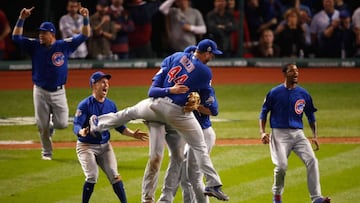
x=173, y=75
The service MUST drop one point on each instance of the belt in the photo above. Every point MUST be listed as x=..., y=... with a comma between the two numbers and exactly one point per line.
x=53, y=89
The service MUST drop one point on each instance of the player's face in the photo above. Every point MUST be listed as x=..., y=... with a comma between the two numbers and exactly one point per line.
x=292, y=74
x=208, y=56
x=45, y=37
x=73, y=7
x=101, y=88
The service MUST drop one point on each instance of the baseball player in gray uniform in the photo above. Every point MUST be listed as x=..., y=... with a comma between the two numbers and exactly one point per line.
x=97, y=150
x=49, y=74
x=190, y=71
x=287, y=102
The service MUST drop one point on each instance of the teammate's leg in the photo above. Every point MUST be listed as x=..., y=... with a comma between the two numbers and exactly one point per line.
x=107, y=161
x=60, y=109
x=86, y=156
x=156, y=153
x=280, y=148
x=42, y=117
x=304, y=150
x=172, y=177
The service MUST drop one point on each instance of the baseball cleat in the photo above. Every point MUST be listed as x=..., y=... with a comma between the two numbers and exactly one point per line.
x=93, y=122
x=277, y=199
x=323, y=200
x=46, y=157
x=216, y=192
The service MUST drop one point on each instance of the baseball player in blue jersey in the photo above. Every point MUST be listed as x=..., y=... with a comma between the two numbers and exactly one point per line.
x=286, y=103
x=49, y=74
x=190, y=176
x=159, y=133
x=184, y=69
x=97, y=150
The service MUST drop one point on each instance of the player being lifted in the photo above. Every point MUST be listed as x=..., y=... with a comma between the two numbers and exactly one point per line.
x=190, y=71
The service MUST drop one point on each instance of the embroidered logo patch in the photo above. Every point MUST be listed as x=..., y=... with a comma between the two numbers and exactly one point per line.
x=299, y=106
x=58, y=59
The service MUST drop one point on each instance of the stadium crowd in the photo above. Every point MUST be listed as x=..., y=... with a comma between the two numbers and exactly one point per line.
x=123, y=29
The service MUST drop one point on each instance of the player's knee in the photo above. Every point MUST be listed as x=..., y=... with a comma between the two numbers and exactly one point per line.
x=115, y=179
x=91, y=179
x=281, y=168
x=155, y=162
x=61, y=125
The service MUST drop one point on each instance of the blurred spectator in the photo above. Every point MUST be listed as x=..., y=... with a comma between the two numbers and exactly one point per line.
x=142, y=13
x=322, y=20
x=340, y=5
x=103, y=32
x=290, y=35
x=233, y=9
x=305, y=20
x=266, y=47
x=71, y=24
x=220, y=24
x=356, y=23
x=259, y=17
x=339, y=38
x=185, y=24
x=123, y=26
x=4, y=33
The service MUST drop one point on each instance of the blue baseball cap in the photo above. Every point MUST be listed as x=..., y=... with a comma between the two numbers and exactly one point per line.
x=98, y=76
x=48, y=27
x=207, y=45
x=190, y=49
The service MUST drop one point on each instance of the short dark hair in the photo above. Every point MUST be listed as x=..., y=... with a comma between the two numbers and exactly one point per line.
x=286, y=66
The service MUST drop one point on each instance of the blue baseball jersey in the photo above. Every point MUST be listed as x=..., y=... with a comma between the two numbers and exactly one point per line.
x=181, y=68
x=88, y=107
x=208, y=99
x=287, y=106
x=49, y=64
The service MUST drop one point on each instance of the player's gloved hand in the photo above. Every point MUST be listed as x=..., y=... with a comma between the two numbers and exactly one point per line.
x=265, y=138
x=193, y=102
x=140, y=135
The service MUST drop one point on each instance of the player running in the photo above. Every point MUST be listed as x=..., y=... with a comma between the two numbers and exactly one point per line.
x=49, y=74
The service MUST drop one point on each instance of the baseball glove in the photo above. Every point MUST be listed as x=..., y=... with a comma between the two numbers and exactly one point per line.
x=193, y=102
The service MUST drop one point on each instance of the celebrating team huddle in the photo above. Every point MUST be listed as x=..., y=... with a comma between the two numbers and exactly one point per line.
x=177, y=111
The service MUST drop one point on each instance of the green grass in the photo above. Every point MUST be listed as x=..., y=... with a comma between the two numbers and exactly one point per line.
x=338, y=109
x=246, y=178
x=246, y=171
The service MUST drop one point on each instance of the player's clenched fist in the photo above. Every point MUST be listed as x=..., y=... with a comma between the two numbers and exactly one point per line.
x=24, y=13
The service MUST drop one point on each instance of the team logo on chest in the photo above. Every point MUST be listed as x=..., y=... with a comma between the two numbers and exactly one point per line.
x=299, y=106
x=57, y=58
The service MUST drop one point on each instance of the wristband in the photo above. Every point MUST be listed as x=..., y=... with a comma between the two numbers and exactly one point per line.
x=86, y=21
x=20, y=22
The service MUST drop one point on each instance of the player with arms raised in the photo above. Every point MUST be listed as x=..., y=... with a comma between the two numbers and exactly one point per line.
x=49, y=74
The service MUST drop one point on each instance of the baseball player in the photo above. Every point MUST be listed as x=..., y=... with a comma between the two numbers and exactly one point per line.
x=287, y=102
x=97, y=150
x=159, y=133
x=190, y=175
x=49, y=74
x=190, y=71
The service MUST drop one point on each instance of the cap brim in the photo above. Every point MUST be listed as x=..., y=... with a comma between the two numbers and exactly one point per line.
x=217, y=52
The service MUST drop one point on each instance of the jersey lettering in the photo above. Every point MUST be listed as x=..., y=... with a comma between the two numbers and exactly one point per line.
x=186, y=62
x=173, y=75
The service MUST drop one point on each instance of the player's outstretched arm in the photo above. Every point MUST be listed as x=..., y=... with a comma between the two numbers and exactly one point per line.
x=24, y=13
x=86, y=29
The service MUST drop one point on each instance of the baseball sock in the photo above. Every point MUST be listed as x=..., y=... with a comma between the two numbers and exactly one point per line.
x=87, y=191
x=120, y=191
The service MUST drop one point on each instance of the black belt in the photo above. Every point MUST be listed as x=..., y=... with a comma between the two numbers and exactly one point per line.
x=53, y=89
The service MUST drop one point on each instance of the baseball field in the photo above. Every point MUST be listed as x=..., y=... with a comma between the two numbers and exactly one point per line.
x=242, y=161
